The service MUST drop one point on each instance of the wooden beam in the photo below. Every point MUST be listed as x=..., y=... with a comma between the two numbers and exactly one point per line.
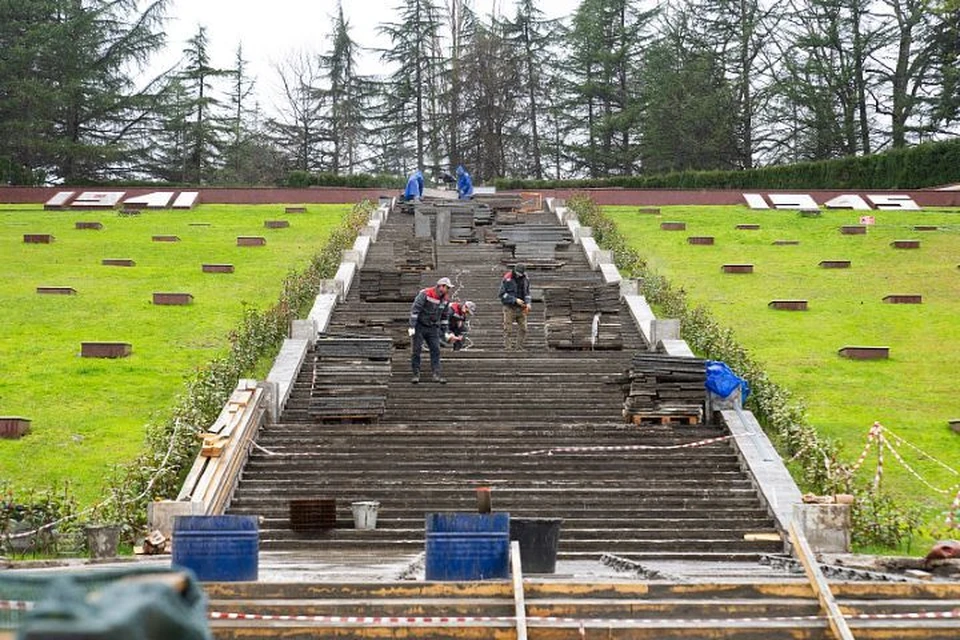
x=518, y=601
x=838, y=624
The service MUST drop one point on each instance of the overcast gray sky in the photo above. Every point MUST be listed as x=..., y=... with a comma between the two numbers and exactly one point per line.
x=271, y=30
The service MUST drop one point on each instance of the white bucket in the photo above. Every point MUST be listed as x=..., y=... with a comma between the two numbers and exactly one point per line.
x=365, y=514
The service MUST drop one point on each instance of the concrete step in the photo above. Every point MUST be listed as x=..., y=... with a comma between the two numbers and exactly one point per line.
x=785, y=609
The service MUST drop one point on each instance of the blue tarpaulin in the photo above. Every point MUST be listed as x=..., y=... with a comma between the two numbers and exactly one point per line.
x=722, y=381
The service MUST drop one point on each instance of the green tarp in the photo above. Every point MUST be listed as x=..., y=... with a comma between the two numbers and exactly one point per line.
x=137, y=603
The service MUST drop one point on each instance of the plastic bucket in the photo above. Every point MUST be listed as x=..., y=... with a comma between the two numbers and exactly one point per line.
x=365, y=514
x=217, y=548
x=467, y=546
x=538, y=538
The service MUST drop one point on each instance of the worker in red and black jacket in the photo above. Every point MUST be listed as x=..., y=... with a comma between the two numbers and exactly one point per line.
x=427, y=316
x=458, y=323
x=515, y=297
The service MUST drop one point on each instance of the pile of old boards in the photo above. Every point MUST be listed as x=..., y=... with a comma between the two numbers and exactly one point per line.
x=536, y=246
x=378, y=285
x=458, y=222
x=350, y=378
x=583, y=317
x=415, y=254
x=664, y=389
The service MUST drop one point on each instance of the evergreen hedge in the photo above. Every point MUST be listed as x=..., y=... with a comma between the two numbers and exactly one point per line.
x=921, y=166
x=302, y=179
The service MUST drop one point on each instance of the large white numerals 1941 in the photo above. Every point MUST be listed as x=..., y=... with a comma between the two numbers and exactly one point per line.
x=792, y=201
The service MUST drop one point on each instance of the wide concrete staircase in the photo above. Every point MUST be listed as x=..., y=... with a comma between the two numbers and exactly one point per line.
x=543, y=428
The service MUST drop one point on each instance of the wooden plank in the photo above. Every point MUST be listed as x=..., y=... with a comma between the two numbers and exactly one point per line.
x=519, y=605
x=838, y=624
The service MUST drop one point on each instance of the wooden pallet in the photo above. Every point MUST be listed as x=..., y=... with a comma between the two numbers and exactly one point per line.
x=659, y=418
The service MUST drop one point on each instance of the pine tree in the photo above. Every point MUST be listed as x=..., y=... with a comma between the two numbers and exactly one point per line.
x=70, y=105
x=208, y=129
x=409, y=89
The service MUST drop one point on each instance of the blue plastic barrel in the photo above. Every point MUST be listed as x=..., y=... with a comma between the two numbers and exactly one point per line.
x=217, y=548
x=467, y=546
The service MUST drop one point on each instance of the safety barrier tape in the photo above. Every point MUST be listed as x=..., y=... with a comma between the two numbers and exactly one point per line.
x=19, y=605
x=544, y=620
x=632, y=447
x=878, y=476
x=871, y=436
x=899, y=458
x=900, y=441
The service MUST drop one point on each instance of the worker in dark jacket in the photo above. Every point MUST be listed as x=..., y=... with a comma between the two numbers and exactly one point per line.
x=427, y=315
x=464, y=184
x=515, y=297
x=458, y=323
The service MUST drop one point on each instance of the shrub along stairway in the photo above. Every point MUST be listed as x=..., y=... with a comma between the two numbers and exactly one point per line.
x=437, y=443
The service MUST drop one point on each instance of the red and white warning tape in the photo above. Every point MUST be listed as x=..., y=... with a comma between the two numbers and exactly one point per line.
x=871, y=436
x=18, y=605
x=547, y=620
x=633, y=447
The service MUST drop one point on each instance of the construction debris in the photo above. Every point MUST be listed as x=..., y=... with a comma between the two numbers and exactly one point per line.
x=583, y=317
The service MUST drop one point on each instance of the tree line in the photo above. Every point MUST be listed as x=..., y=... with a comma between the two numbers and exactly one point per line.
x=619, y=88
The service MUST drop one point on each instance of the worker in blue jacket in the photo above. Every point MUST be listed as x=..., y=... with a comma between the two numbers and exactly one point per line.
x=464, y=184
x=414, y=190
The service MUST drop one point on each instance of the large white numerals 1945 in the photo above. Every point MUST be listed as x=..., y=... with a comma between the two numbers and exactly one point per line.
x=886, y=202
x=847, y=201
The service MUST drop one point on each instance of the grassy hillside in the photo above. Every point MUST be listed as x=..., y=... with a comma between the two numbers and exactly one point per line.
x=913, y=393
x=90, y=414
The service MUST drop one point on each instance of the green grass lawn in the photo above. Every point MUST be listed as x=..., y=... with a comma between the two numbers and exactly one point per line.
x=90, y=414
x=914, y=393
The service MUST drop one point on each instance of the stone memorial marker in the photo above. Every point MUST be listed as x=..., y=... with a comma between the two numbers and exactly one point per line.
x=865, y=353
x=105, y=349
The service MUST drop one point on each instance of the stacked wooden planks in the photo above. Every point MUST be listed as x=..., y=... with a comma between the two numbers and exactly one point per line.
x=662, y=388
x=583, y=317
x=388, y=286
x=350, y=378
x=414, y=255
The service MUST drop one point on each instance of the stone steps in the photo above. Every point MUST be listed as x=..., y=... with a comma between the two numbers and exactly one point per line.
x=435, y=444
x=782, y=609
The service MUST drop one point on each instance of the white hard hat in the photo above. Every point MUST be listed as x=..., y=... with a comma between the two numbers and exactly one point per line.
x=469, y=306
x=444, y=281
